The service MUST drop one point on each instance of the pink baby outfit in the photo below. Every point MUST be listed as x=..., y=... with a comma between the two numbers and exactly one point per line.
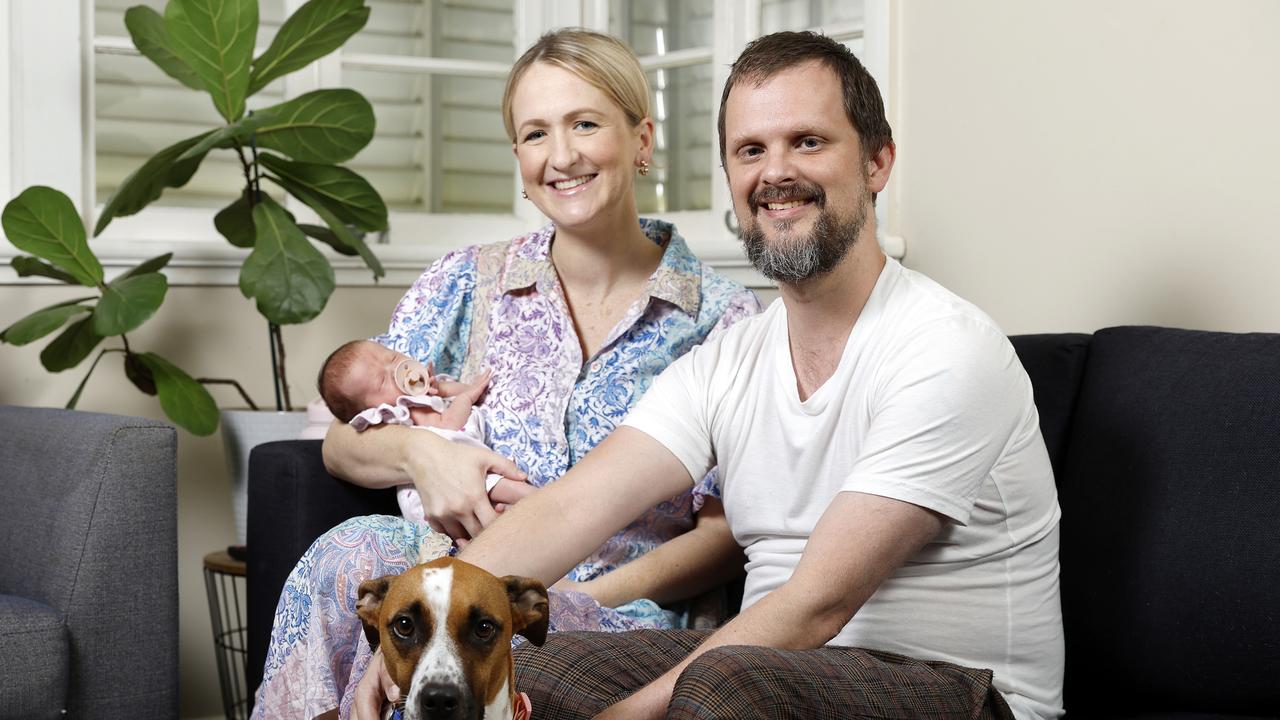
x=471, y=434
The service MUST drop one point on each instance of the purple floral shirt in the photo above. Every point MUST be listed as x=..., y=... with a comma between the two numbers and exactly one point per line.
x=547, y=405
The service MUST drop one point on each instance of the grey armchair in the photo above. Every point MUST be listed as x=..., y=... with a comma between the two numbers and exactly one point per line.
x=88, y=565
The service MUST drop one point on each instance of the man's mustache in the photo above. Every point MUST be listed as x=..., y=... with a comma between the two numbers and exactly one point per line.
x=795, y=191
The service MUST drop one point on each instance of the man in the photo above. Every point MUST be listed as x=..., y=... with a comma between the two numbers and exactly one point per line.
x=878, y=448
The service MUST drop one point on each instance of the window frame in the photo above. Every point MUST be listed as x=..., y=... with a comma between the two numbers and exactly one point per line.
x=33, y=38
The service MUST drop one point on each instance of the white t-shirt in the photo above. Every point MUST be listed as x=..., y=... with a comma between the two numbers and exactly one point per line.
x=929, y=405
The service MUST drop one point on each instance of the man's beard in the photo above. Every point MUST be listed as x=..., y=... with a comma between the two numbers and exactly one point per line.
x=795, y=259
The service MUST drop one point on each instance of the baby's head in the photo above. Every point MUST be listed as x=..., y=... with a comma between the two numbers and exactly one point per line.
x=363, y=374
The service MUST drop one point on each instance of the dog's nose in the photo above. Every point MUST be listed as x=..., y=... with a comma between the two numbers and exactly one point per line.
x=440, y=702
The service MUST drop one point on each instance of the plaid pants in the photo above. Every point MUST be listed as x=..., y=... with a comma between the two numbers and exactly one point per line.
x=578, y=674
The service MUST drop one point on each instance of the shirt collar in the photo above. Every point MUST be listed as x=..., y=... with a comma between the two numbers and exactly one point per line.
x=678, y=279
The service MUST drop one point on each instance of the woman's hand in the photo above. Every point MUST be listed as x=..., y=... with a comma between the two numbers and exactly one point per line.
x=450, y=479
x=374, y=690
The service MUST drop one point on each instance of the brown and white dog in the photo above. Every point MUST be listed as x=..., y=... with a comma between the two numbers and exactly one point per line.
x=445, y=630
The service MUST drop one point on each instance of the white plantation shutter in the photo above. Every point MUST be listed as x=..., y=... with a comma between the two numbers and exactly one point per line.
x=440, y=146
x=843, y=20
x=680, y=97
x=138, y=111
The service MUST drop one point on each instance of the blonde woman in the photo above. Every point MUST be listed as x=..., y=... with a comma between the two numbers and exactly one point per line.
x=574, y=321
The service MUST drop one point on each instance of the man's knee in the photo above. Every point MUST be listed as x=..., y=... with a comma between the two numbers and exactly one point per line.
x=724, y=683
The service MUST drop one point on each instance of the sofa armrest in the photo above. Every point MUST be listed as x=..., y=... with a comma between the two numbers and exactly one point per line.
x=292, y=501
x=88, y=526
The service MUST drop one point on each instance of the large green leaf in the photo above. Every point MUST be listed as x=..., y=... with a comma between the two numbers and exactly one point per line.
x=325, y=126
x=346, y=194
x=235, y=222
x=27, y=266
x=42, y=322
x=290, y=280
x=237, y=133
x=215, y=39
x=318, y=28
x=139, y=374
x=328, y=237
x=341, y=232
x=151, y=37
x=43, y=222
x=72, y=346
x=183, y=400
x=155, y=264
x=166, y=168
x=128, y=302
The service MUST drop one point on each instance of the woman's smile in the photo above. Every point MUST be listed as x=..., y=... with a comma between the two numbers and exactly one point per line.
x=573, y=185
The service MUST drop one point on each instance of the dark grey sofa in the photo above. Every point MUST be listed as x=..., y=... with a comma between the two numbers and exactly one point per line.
x=88, y=566
x=1166, y=448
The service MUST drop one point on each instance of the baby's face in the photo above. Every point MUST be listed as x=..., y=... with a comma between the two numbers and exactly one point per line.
x=381, y=374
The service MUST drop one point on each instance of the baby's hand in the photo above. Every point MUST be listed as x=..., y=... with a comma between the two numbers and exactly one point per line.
x=465, y=391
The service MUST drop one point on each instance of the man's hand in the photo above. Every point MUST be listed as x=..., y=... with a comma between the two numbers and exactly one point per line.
x=450, y=479
x=648, y=703
x=509, y=492
x=374, y=689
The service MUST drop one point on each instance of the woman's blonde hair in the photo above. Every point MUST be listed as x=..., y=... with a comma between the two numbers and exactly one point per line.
x=601, y=60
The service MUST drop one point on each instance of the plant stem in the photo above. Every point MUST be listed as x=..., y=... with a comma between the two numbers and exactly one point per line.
x=238, y=387
x=276, y=339
x=249, y=188
x=284, y=380
x=71, y=404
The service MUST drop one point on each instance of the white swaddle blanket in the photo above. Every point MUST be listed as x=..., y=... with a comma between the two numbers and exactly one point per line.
x=471, y=434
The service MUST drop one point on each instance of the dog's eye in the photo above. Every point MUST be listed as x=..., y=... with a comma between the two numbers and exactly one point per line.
x=403, y=627
x=486, y=629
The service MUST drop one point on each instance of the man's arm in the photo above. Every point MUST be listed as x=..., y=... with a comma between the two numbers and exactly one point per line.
x=859, y=541
x=549, y=532
x=683, y=567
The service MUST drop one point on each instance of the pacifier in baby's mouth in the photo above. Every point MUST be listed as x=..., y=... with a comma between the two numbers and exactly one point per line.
x=411, y=378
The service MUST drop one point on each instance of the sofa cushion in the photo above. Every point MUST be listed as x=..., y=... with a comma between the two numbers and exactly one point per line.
x=34, y=659
x=1170, y=505
x=1055, y=364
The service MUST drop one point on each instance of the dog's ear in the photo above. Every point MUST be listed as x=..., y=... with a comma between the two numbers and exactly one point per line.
x=369, y=601
x=529, y=610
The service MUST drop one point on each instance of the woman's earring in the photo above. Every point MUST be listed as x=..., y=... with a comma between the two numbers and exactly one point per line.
x=644, y=167
x=524, y=193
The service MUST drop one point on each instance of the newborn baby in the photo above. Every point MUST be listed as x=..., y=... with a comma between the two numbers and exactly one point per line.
x=366, y=384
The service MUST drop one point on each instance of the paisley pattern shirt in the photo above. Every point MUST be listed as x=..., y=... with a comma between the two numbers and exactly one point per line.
x=547, y=405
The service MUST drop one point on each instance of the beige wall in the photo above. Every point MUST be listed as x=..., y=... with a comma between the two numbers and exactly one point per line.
x=1069, y=166
x=206, y=331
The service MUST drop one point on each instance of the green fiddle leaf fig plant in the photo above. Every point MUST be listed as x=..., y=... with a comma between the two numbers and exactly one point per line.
x=295, y=146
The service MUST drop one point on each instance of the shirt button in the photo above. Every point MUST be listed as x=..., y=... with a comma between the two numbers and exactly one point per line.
x=595, y=366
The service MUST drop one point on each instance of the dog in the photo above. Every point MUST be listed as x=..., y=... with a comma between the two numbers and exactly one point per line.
x=445, y=630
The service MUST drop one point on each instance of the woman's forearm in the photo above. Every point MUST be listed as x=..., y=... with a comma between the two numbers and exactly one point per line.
x=375, y=458
x=683, y=567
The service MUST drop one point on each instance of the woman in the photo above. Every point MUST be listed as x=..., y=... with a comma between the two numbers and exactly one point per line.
x=574, y=321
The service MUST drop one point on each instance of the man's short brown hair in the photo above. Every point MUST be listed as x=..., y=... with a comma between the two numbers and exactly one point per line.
x=767, y=56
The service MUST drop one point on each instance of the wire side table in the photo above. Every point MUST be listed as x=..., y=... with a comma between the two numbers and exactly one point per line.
x=224, y=579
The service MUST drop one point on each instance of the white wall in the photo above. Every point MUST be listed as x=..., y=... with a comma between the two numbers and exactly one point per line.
x=1069, y=166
